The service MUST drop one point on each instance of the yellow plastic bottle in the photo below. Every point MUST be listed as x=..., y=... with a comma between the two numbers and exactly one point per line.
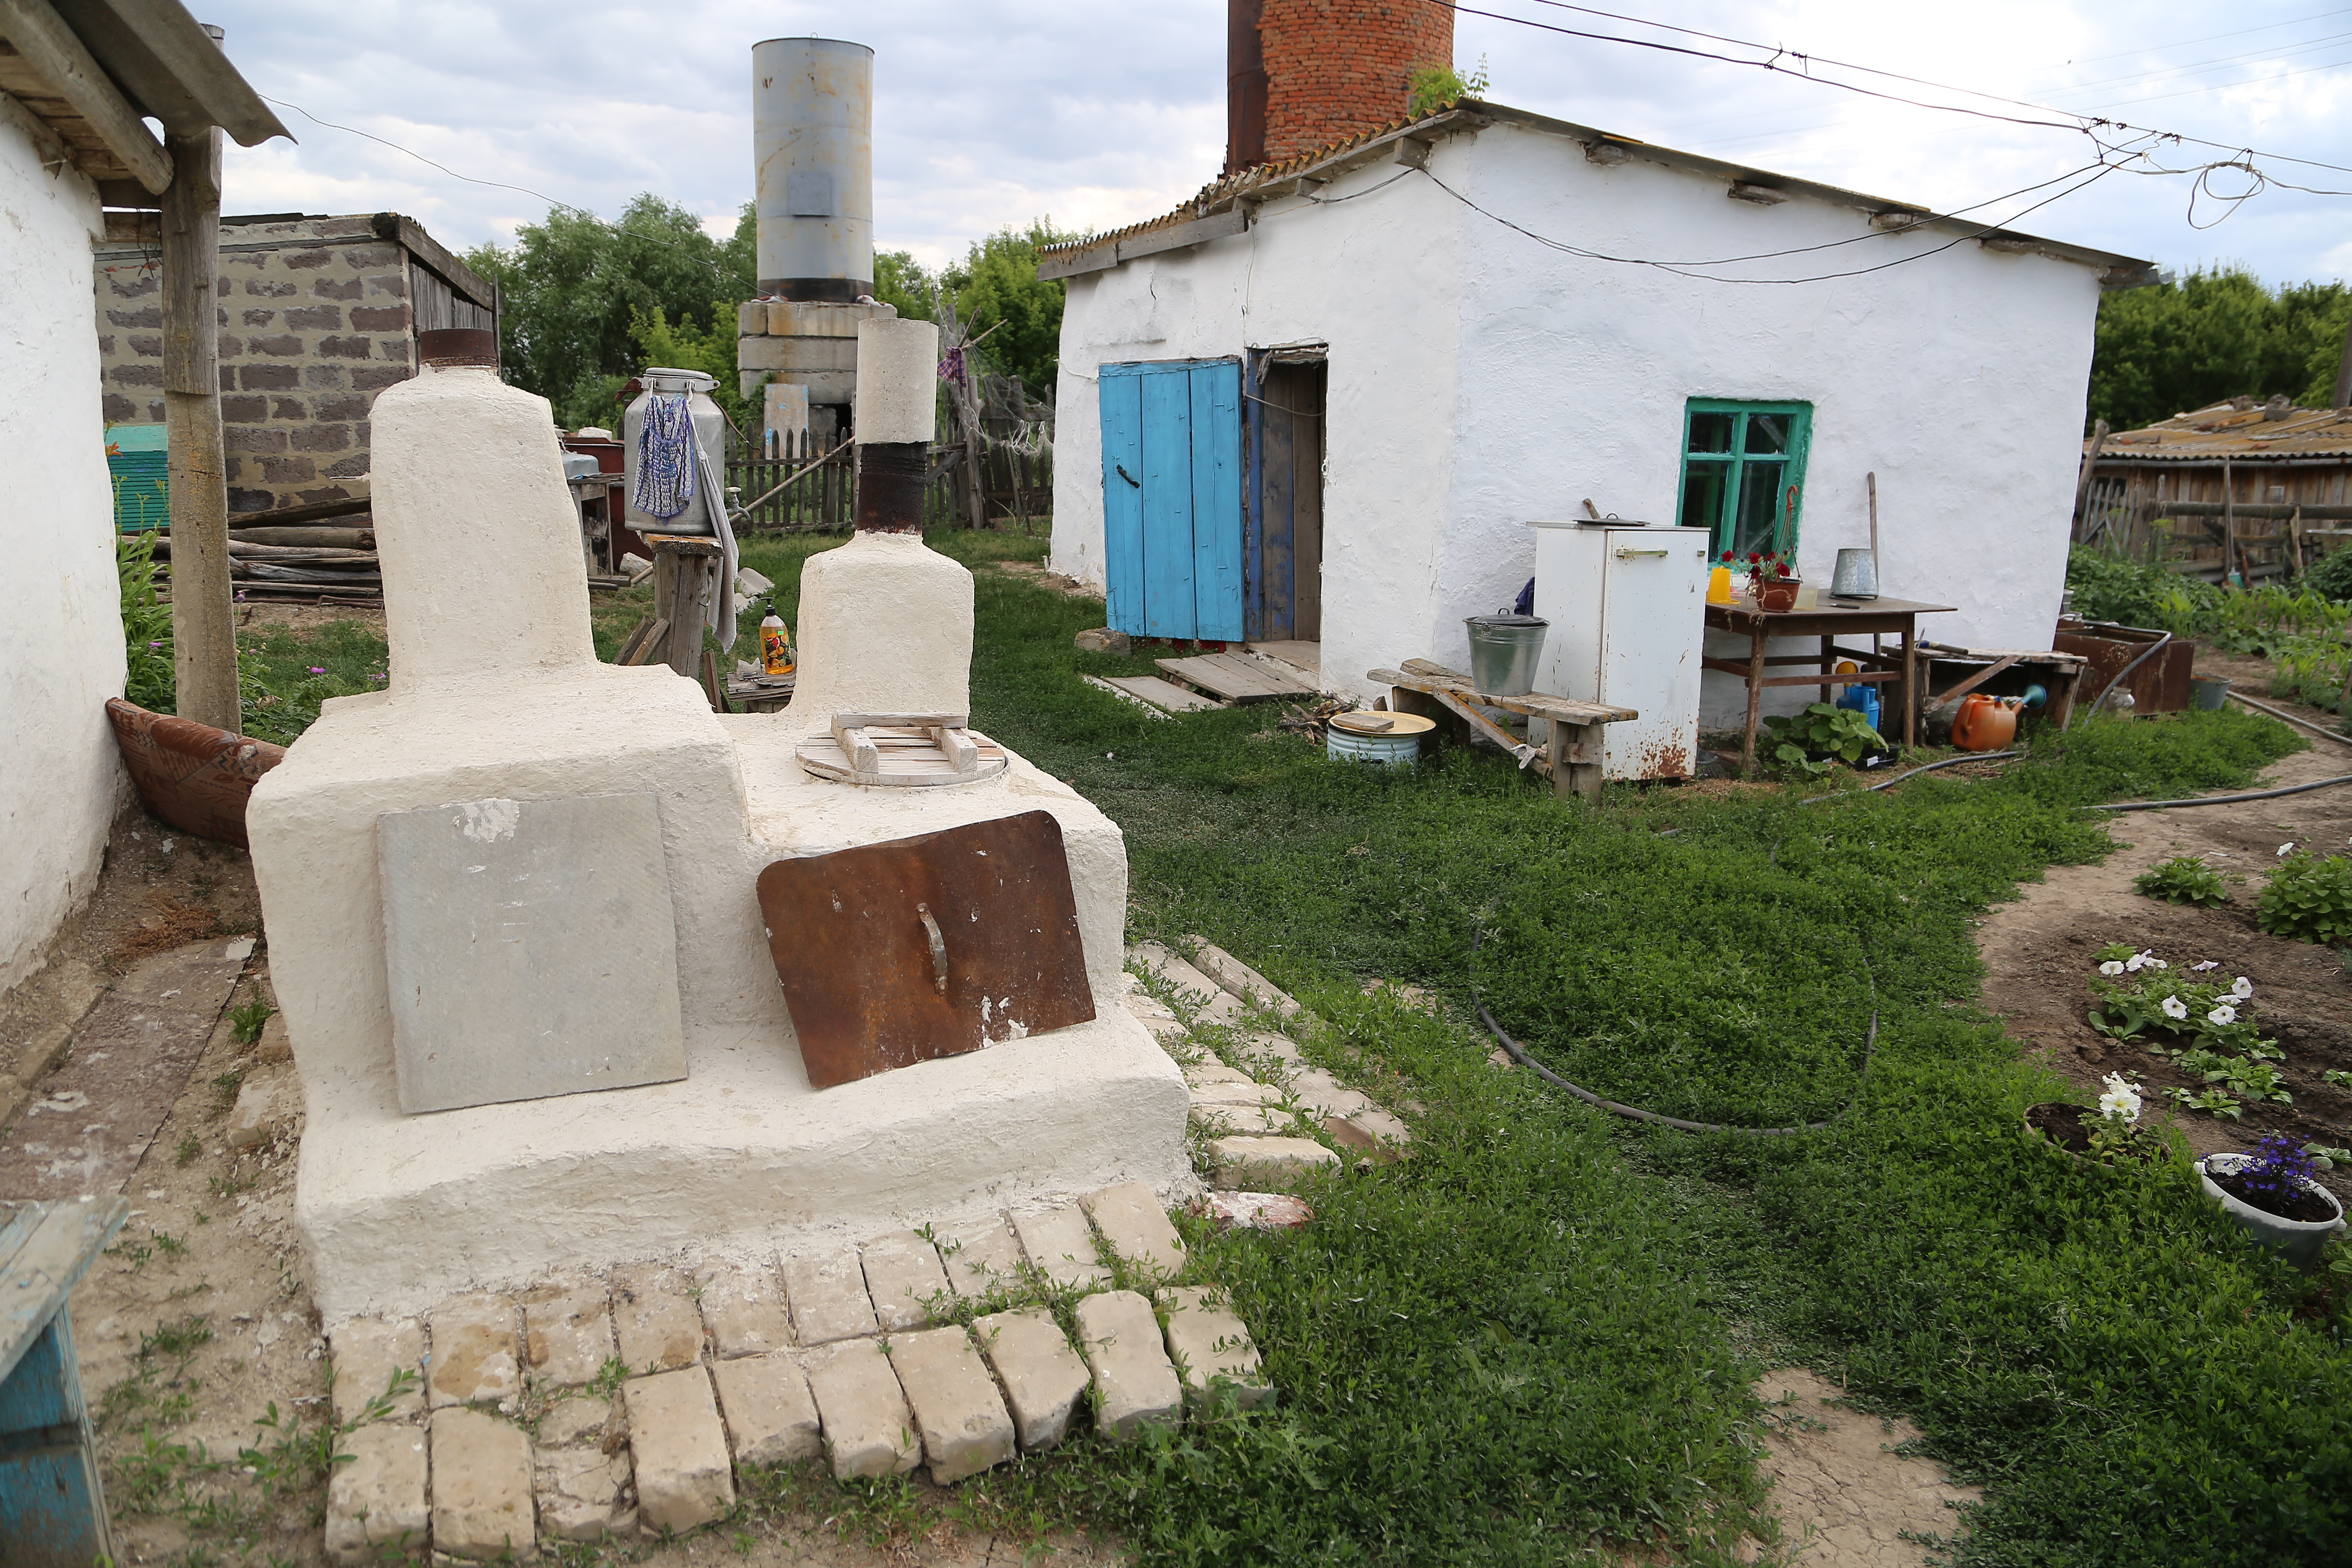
x=776, y=644
x=1719, y=585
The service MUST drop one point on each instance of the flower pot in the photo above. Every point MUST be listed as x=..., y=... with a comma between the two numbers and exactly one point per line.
x=1776, y=595
x=2297, y=1241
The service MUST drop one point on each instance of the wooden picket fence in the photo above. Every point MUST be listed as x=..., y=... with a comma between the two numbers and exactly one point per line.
x=1017, y=488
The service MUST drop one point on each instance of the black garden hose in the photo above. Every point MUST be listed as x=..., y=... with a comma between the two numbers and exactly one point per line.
x=1911, y=772
x=2221, y=799
x=1519, y=1054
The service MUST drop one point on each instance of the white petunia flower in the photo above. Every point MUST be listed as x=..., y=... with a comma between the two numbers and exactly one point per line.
x=2224, y=1014
x=2135, y=962
x=2121, y=1102
x=2201, y=968
x=2156, y=962
x=2174, y=1007
x=2241, y=988
x=2285, y=851
x=2111, y=966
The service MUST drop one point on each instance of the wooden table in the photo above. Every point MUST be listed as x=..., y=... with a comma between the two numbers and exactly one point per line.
x=51, y=1507
x=1832, y=619
x=1572, y=756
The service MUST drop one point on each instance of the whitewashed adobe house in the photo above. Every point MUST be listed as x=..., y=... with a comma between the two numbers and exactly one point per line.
x=1325, y=396
x=75, y=82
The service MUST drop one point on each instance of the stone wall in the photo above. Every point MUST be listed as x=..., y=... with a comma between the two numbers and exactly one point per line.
x=1336, y=67
x=317, y=316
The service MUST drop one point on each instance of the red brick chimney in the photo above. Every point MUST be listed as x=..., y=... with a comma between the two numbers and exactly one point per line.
x=1300, y=74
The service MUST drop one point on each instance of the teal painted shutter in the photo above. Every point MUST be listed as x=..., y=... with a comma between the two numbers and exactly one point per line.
x=1171, y=436
x=1121, y=392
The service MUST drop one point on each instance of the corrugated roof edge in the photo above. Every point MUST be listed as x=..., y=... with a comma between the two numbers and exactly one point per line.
x=1266, y=181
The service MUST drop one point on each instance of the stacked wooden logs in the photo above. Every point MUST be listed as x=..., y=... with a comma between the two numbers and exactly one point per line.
x=325, y=552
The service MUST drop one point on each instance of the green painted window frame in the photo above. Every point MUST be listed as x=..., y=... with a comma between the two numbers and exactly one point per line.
x=1733, y=463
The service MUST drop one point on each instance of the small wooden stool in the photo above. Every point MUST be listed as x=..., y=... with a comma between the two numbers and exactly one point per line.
x=52, y=1510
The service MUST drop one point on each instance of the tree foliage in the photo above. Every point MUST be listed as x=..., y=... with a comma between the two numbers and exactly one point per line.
x=996, y=282
x=2173, y=347
x=580, y=294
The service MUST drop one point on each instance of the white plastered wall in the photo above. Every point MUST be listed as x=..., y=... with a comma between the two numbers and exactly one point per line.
x=1378, y=280
x=1479, y=380
x=60, y=620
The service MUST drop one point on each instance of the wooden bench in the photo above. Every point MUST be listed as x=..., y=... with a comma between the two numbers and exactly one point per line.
x=52, y=1510
x=1572, y=756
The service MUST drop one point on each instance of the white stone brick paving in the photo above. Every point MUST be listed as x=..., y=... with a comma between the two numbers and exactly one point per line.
x=1134, y=1383
x=981, y=1256
x=770, y=1419
x=368, y=1351
x=1241, y=1162
x=567, y=1334
x=1207, y=1341
x=582, y=1493
x=481, y=1486
x=1043, y=1378
x=743, y=1306
x=1136, y=1229
x=581, y=1420
x=474, y=1359
x=654, y=1319
x=828, y=1292
x=684, y=1475
x=1242, y=980
x=378, y=1499
x=958, y=1414
x=867, y=1427
x=1059, y=1242
x=903, y=1272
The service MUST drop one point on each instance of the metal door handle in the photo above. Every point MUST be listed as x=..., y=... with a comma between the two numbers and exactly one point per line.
x=1631, y=554
x=1123, y=474
x=939, y=948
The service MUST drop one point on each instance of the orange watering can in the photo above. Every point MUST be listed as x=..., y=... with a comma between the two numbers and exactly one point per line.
x=1986, y=723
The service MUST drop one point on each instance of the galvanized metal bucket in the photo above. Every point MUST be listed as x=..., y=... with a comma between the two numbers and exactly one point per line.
x=2209, y=694
x=1504, y=652
x=1398, y=746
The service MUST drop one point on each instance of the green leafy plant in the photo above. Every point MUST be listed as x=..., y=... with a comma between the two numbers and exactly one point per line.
x=1807, y=743
x=2308, y=899
x=147, y=678
x=2207, y=1027
x=2337, y=1077
x=1436, y=87
x=247, y=1018
x=2184, y=880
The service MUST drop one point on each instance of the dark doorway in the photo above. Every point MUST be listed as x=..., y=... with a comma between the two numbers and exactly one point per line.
x=1286, y=554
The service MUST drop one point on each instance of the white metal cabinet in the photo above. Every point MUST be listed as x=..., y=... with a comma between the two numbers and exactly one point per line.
x=1627, y=605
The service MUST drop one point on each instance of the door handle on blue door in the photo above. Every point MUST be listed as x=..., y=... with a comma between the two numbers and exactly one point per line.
x=1131, y=478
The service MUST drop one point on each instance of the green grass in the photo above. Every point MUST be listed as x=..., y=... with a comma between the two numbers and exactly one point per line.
x=1530, y=1336
x=1534, y=1337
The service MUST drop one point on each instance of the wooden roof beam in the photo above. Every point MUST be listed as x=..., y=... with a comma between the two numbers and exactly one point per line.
x=37, y=33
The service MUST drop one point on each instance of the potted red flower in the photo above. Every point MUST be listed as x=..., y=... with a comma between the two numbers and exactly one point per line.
x=1771, y=580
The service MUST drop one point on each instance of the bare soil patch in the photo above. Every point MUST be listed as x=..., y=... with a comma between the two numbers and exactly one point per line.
x=2038, y=953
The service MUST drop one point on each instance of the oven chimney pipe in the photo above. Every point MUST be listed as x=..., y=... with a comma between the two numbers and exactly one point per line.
x=1245, y=87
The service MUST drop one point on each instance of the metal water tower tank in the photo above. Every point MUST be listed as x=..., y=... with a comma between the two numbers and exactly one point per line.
x=813, y=146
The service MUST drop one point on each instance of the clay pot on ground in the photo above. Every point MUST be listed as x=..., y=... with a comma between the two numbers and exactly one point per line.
x=2297, y=1241
x=1776, y=595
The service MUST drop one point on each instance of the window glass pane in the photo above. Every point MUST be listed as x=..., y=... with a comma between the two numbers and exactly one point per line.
x=1768, y=433
x=1757, y=525
x=1710, y=432
x=1703, y=488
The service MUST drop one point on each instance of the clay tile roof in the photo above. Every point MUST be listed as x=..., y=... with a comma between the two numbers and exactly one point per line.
x=2227, y=430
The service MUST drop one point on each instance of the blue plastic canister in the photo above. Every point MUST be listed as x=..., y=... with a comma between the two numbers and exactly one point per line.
x=1863, y=699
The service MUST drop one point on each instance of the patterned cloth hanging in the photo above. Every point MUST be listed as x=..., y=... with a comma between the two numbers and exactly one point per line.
x=666, y=457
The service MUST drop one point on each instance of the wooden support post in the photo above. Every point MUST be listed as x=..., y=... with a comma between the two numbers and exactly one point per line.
x=204, y=617
x=2090, y=466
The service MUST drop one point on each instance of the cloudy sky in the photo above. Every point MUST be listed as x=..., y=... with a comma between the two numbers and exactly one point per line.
x=990, y=112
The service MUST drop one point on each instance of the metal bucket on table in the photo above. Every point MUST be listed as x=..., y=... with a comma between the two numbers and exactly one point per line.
x=1396, y=745
x=1504, y=652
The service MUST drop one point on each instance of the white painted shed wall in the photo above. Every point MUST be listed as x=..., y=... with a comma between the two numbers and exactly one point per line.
x=60, y=616
x=1478, y=379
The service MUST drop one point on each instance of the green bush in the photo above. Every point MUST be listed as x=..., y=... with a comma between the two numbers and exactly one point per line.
x=2331, y=575
x=147, y=679
x=2132, y=593
x=2308, y=899
x=2184, y=880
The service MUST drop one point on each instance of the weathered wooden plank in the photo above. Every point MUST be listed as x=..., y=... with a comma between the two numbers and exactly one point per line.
x=49, y=46
x=1563, y=708
x=1234, y=679
x=39, y=1275
x=1121, y=402
x=1215, y=422
x=1168, y=607
x=1303, y=386
x=1277, y=491
x=1161, y=694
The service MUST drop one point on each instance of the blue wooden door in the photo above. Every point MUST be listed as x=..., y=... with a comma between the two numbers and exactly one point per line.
x=1172, y=444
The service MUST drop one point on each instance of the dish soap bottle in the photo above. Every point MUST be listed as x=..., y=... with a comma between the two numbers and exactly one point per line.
x=776, y=643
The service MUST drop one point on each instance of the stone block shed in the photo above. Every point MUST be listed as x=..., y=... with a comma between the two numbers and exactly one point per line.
x=317, y=316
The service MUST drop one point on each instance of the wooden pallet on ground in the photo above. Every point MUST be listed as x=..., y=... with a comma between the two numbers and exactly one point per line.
x=1235, y=678
x=1164, y=695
